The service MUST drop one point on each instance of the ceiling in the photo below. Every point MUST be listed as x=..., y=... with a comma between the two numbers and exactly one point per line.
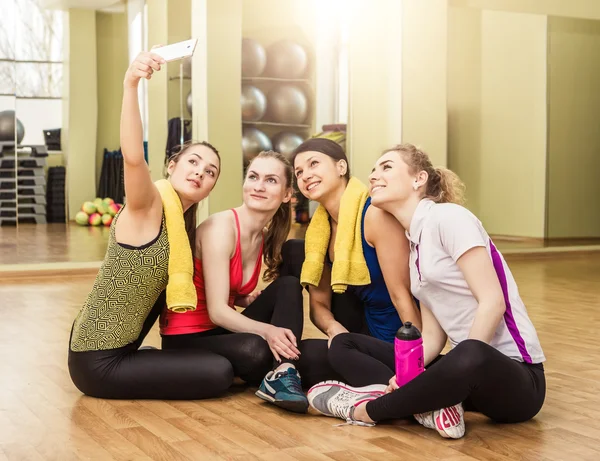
x=113, y=6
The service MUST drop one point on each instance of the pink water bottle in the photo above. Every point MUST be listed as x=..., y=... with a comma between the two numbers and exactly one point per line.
x=408, y=348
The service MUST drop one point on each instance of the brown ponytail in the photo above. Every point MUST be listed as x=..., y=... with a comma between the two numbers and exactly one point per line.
x=443, y=185
x=279, y=227
x=277, y=233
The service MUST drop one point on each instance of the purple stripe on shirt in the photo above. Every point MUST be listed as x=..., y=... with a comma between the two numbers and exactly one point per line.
x=508, y=314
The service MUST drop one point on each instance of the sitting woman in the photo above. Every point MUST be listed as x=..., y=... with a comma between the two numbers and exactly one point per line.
x=147, y=246
x=230, y=245
x=355, y=262
x=468, y=295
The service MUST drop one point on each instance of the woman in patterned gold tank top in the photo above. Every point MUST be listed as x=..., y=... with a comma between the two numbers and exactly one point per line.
x=128, y=294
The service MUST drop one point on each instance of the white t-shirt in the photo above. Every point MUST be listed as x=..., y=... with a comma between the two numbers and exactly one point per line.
x=439, y=235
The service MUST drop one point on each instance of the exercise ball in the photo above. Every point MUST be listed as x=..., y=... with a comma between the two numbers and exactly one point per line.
x=253, y=142
x=254, y=58
x=254, y=103
x=188, y=102
x=7, y=127
x=285, y=142
x=187, y=67
x=287, y=104
x=286, y=59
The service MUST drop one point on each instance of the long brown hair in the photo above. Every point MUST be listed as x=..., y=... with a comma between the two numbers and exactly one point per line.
x=279, y=227
x=443, y=185
x=189, y=216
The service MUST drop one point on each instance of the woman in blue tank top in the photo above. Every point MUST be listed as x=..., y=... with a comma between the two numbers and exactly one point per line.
x=376, y=309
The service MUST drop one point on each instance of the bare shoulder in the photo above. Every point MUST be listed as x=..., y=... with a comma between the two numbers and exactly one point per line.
x=216, y=230
x=380, y=223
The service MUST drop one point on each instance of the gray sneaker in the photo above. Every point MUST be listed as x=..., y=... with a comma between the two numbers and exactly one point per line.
x=338, y=400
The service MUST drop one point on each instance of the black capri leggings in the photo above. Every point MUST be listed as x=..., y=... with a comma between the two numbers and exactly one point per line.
x=346, y=308
x=279, y=304
x=474, y=373
x=129, y=373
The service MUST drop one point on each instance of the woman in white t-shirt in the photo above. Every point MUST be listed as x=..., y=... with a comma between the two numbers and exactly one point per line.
x=467, y=295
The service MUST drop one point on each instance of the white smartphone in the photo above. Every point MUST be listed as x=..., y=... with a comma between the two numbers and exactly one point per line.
x=177, y=50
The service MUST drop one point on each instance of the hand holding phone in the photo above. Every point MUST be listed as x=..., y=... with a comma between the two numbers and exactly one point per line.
x=177, y=50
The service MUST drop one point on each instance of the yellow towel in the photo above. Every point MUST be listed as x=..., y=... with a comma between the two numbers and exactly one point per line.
x=181, y=292
x=349, y=265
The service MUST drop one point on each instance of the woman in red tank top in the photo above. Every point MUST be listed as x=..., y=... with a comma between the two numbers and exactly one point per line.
x=261, y=342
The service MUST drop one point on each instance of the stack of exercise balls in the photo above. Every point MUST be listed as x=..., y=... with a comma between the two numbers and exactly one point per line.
x=273, y=91
x=99, y=212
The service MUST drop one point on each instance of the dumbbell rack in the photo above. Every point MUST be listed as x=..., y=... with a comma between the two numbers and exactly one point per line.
x=23, y=185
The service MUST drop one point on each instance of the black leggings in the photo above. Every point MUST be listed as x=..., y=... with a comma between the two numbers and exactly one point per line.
x=129, y=373
x=279, y=304
x=346, y=308
x=474, y=373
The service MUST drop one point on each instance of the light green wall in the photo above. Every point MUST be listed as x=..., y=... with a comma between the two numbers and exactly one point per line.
x=464, y=100
x=111, y=35
x=587, y=9
x=224, y=113
x=79, y=139
x=513, y=124
x=179, y=29
x=157, y=90
x=497, y=116
x=375, y=83
x=424, y=73
x=574, y=122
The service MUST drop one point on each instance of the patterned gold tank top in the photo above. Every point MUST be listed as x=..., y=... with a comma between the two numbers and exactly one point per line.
x=126, y=288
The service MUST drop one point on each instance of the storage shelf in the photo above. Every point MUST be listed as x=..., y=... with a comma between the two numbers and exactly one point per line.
x=276, y=79
x=288, y=125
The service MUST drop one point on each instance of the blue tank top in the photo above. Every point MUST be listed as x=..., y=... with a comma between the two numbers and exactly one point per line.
x=381, y=315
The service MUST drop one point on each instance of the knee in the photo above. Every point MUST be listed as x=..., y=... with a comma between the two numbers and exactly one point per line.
x=257, y=354
x=290, y=285
x=338, y=347
x=471, y=355
x=293, y=250
x=221, y=376
x=292, y=255
x=341, y=341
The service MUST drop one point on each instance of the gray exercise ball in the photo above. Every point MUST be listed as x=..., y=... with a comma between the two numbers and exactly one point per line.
x=254, y=103
x=254, y=58
x=286, y=59
x=253, y=142
x=287, y=104
x=285, y=142
x=188, y=102
x=7, y=127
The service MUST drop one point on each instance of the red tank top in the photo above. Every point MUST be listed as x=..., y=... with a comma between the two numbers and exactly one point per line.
x=172, y=323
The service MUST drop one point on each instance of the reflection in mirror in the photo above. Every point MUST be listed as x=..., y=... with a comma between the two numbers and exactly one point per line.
x=8, y=127
x=38, y=184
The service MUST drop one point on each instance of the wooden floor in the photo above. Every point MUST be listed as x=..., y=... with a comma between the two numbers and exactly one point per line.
x=52, y=243
x=43, y=416
x=71, y=243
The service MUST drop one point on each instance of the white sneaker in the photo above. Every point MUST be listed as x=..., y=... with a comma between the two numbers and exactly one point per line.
x=426, y=419
x=336, y=399
x=450, y=422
